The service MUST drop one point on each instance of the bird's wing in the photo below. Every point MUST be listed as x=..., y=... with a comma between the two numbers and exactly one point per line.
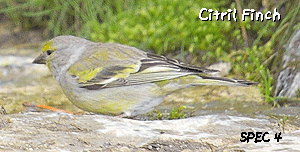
x=157, y=68
x=113, y=65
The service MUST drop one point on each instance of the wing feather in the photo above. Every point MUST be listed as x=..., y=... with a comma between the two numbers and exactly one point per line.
x=114, y=65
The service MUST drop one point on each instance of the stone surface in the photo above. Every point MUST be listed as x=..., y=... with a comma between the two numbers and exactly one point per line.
x=223, y=67
x=42, y=131
x=289, y=77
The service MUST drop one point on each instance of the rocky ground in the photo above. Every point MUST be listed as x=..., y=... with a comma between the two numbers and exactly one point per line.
x=42, y=131
x=220, y=114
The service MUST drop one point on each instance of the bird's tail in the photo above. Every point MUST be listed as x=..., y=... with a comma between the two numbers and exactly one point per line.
x=209, y=80
x=196, y=80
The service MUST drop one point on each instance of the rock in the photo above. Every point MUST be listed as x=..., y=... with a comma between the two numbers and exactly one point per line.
x=288, y=82
x=20, y=68
x=44, y=131
x=223, y=67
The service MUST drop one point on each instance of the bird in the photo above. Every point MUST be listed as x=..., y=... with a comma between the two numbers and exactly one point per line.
x=116, y=79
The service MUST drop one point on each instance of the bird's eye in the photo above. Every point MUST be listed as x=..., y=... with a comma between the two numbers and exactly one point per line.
x=49, y=52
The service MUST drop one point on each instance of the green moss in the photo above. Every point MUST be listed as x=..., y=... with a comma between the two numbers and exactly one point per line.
x=178, y=113
x=156, y=25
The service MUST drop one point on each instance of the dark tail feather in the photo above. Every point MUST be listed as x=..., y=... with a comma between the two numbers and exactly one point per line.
x=225, y=81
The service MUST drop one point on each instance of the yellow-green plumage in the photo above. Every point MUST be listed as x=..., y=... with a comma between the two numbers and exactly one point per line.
x=112, y=79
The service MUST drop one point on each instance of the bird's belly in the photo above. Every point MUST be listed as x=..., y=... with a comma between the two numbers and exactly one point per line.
x=131, y=100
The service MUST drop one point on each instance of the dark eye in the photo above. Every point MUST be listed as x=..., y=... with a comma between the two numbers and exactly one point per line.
x=49, y=52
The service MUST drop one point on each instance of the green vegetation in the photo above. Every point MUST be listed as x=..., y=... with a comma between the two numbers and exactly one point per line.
x=171, y=27
x=178, y=113
x=284, y=121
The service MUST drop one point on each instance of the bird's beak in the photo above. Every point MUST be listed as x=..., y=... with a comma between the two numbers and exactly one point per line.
x=41, y=59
